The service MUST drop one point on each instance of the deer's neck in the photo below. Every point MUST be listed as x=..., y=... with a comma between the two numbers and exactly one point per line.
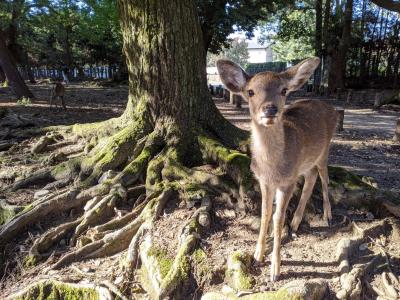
x=267, y=142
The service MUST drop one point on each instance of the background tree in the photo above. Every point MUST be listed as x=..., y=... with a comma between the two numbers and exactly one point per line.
x=220, y=18
x=11, y=72
x=236, y=51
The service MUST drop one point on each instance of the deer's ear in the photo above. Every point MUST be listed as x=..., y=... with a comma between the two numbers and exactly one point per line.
x=232, y=75
x=298, y=75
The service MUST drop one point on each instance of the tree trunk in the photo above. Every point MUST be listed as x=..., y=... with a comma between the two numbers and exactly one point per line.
x=14, y=78
x=2, y=75
x=172, y=84
x=338, y=69
x=68, y=53
x=318, y=42
x=27, y=66
x=327, y=47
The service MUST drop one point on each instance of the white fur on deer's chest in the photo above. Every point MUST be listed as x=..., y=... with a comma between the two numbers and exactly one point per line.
x=268, y=162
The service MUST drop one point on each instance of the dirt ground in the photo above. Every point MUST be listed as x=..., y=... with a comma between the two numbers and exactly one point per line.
x=365, y=147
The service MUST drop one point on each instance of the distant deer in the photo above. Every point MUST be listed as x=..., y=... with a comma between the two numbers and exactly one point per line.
x=57, y=91
x=286, y=143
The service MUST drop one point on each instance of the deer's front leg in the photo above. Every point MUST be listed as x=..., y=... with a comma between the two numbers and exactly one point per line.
x=283, y=196
x=267, y=195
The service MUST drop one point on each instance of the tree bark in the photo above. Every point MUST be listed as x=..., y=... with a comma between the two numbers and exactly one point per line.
x=327, y=47
x=2, y=75
x=388, y=4
x=14, y=78
x=338, y=69
x=318, y=41
x=172, y=84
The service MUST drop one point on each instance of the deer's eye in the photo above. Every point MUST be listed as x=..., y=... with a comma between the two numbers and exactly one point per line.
x=250, y=93
x=284, y=91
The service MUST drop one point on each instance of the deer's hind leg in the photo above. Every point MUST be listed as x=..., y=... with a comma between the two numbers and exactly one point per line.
x=63, y=103
x=323, y=174
x=309, y=181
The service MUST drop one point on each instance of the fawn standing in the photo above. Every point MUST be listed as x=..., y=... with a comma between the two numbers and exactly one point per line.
x=286, y=143
x=57, y=91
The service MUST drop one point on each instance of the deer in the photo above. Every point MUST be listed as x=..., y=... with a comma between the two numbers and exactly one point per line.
x=57, y=91
x=286, y=143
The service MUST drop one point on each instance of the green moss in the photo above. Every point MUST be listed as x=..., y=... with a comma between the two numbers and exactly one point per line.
x=30, y=261
x=201, y=267
x=6, y=215
x=7, y=211
x=235, y=163
x=52, y=290
x=239, y=256
x=350, y=181
x=163, y=260
x=281, y=294
x=67, y=168
x=236, y=274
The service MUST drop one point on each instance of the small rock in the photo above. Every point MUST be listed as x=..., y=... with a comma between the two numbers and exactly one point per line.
x=294, y=235
x=97, y=263
x=227, y=289
x=204, y=219
x=88, y=270
x=119, y=280
x=263, y=288
x=363, y=247
x=369, y=216
x=322, y=235
x=63, y=242
x=107, y=175
x=190, y=203
x=40, y=194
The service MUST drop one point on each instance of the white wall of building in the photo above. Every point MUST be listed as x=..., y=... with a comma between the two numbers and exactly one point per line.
x=260, y=55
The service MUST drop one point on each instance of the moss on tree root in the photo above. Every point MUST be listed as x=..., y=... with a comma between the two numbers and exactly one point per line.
x=55, y=290
x=237, y=274
x=7, y=211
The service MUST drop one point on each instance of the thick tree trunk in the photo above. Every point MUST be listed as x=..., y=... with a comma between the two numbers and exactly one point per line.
x=13, y=76
x=338, y=68
x=171, y=84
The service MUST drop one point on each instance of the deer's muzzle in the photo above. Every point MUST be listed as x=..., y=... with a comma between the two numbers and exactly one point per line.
x=270, y=111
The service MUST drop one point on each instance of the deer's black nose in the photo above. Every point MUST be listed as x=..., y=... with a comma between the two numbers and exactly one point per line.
x=270, y=110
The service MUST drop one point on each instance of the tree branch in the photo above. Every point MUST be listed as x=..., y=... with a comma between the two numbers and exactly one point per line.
x=392, y=5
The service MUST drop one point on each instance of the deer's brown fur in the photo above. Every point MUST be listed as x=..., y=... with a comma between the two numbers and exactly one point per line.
x=57, y=91
x=286, y=143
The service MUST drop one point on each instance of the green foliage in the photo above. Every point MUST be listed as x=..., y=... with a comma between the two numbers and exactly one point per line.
x=276, y=66
x=236, y=51
x=24, y=101
x=219, y=18
x=294, y=33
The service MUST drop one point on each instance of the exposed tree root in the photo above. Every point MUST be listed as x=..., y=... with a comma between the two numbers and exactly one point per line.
x=8, y=211
x=119, y=240
x=166, y=163
x=53, y=289
x=352, y=278
x=42, y=244
x=347, y=246
x=235, y=163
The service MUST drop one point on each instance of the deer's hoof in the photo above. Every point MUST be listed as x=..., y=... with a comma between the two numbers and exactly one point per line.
x=328, y=221
x=274, y=278
x=275, y=269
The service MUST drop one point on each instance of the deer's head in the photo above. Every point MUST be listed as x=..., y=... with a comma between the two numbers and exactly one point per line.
x=266, y=92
